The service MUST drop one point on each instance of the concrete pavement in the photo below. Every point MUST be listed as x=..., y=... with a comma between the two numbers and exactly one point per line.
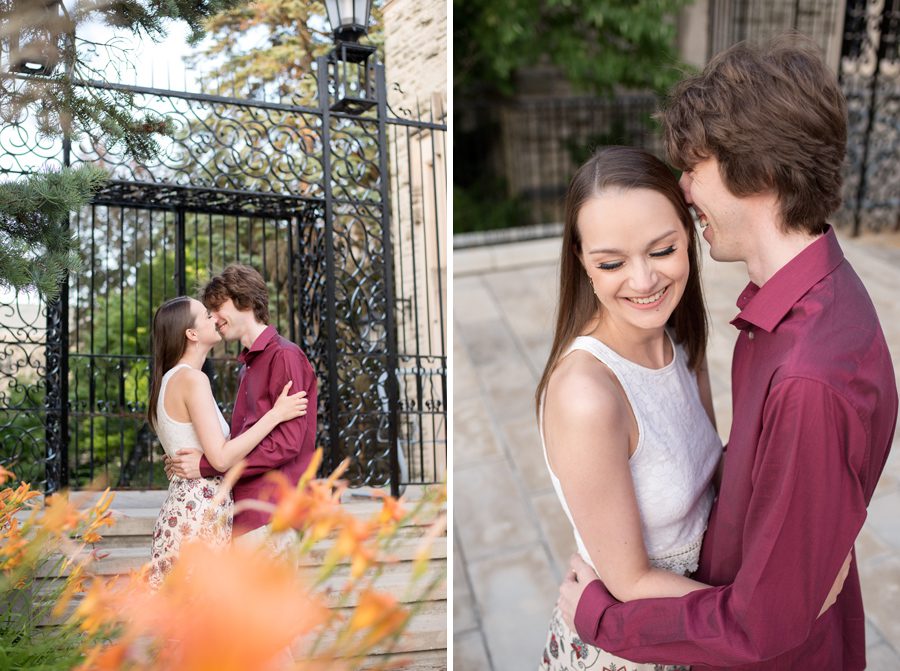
x=511, y=538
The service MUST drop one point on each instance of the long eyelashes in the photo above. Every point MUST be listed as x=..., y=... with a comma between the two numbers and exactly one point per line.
x=663, y=252
x=615, y=265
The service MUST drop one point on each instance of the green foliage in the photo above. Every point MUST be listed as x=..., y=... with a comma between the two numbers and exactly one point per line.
x=597, y=44
x=285, y=45
x=141, y=16
x=63, y=107
x=480, y=208
x=42, y=564
x=36, y=247
x=25, y=646
x=22, y=430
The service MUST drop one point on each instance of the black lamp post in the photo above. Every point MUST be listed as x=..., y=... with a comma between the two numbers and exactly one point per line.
x=354, y=83
x=349, y=18
x=35, y=48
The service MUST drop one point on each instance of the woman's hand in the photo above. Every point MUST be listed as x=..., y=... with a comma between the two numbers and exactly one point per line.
x=580, y=575
x=288, y=407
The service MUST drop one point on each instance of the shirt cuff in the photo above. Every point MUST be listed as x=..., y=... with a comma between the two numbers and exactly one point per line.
x=594, y=601
x=206, y=470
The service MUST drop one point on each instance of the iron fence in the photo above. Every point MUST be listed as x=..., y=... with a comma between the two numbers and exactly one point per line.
x=870, y=78
x=322, y=202
x=545, y=140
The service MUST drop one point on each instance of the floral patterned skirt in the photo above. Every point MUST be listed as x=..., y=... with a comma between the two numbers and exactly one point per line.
x=565, y=651
x=189, y=512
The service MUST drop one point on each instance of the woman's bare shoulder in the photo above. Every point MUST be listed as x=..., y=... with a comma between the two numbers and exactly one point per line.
x=581, y=388
x=188, y=380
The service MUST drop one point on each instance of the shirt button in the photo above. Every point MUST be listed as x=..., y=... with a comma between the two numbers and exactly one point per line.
x=750, y=335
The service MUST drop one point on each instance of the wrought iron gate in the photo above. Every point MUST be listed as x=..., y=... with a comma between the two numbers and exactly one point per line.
x=870, y=78
x=300, y=190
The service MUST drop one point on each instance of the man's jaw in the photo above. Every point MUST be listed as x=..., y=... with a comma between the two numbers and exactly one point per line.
x=225, y=330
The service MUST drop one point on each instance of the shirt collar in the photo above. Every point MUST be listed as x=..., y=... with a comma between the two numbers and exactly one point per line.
x=261, y=342
x=766, y=306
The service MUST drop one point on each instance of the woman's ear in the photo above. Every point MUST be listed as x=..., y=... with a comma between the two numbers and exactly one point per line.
x=191, y=334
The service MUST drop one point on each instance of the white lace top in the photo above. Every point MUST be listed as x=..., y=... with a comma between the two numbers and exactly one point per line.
x=174, y=436
x=674, y=461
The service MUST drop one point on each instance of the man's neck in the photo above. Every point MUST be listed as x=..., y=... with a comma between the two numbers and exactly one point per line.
x=253, y=332
x=774, y=250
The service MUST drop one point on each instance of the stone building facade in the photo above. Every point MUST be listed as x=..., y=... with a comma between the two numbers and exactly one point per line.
x=416, y=71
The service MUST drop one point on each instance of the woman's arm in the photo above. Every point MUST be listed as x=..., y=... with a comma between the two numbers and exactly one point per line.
x=586, y=427
x=201, y=407
x=705, y=389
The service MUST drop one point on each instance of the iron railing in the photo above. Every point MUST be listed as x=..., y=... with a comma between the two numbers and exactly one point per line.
x=325, y=204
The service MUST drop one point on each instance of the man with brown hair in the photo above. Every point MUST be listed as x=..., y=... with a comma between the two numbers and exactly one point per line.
x=760, y=136
x=239, y=301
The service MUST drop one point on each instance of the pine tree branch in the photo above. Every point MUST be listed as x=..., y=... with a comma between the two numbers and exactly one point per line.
x=37, y=249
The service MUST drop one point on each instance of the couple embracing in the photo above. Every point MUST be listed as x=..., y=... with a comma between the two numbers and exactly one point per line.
x=270, y=426
x=688, y=554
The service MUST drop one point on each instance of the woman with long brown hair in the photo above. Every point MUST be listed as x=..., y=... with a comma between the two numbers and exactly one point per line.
x=185, y=415
x=624, y=404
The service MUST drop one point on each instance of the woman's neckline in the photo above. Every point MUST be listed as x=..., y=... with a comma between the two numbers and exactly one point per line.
x=665, y=367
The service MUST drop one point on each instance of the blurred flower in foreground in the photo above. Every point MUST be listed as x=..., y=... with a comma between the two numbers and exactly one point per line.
x=237, y=608
x=43, y=564
x=222, y=610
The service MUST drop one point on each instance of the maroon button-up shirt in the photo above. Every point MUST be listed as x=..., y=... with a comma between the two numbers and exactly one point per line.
x=269, y=363
x=815, y=406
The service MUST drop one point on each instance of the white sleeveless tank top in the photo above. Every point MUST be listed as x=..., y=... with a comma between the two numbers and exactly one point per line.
x=675, y=459
x=173, y=435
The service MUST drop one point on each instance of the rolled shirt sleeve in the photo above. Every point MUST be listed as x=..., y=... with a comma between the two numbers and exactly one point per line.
x=807, y=506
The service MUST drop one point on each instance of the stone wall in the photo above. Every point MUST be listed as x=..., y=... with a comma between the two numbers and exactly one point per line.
x=416, y=72
x=416, y=53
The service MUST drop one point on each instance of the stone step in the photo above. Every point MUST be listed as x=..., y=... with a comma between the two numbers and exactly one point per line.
x=394, y=580
x=126, y=547
x=138, y=536
x=135, y=525
x=121, y=560
x=422, y=660
x=426, y=632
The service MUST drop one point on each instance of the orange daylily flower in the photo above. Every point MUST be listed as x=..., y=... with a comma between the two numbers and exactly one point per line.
x=380, y=614
x=308, y=505
x=14, y=546
x=391, y=514
x=311, y=469
x=6, y=475
x=74, y=585
x=95, y=610
x=292, y=507
x=232, y=608
x=14, y=499
x=105, y=658
x=227, y=610
x=60, y=515
x=351, y=544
